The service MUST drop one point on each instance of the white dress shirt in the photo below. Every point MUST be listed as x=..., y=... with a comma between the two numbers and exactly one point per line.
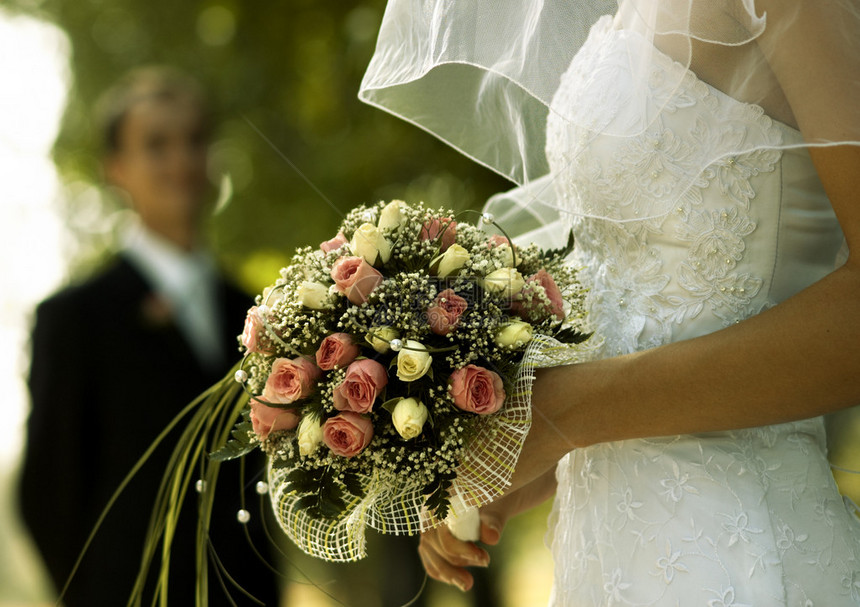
x=187, y=282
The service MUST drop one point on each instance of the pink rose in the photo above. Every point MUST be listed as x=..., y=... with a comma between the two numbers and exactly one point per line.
x=291, y=380
x=431, y=229
x=476, y=389
x=336, y=350
x=347, y=434
x=444, y=314
x=254, y=334
x=364, y=380
x=355, y=278
x=532, y=305
x=496, y=240
x=266, y=419
x=333, y=244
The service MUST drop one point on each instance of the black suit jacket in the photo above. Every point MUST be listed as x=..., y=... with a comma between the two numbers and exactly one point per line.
x=109, y=370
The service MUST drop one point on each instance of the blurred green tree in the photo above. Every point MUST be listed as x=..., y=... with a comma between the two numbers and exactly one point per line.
x=299, y=147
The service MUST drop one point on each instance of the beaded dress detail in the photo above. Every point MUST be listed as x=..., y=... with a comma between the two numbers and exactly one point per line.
x=724, y=519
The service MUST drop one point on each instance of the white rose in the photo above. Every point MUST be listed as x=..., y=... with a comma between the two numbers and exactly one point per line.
x=452, y=260
x=514, y=334
x=506, y=255
x=309, y=434
x=413, y=361
x=379, y=338
x=506, y=282
x=368, y=242
x=313, y=295
x=409, y=416
x=273, y=295
x=391, y=217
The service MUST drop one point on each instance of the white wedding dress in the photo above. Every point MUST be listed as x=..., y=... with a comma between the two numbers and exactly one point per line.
x=692, y=211
x=725, y=519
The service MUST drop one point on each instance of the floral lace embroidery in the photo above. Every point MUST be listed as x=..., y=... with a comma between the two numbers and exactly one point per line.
x=621, y=180
x=728, y=519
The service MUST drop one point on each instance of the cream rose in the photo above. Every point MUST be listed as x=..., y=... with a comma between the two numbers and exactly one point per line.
x=413, y=361
x=514, y=334
x=368, y=242
x=506, y=282
x=502, y=248
x=391, y=216
x=506, y=254
x=408, y=417
x=454, y=258
x=273, y=295
x=309, y=434
x=313, y=295
x=379, y=338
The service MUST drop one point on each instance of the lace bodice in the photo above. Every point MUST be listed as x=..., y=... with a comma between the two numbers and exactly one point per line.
x=670, y=252
x=713, y=247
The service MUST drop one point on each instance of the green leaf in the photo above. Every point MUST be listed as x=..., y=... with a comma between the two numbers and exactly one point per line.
x=391, y=403
x=330, y=488
x=243, y=431
x=571, y=335
x=301, y=480
x=561, y=252
x=353, y=484
x=278, y=463
x=243, y=442
x=233, y=449
x=331, y=508
x=306, y=502
x=437, y=497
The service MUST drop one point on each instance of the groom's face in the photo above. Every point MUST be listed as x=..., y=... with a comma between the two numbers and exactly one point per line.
x=161, y=160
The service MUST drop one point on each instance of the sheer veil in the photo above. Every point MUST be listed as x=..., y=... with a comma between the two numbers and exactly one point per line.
x=482, y=76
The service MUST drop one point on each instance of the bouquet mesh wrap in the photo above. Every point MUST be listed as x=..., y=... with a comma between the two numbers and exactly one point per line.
x=396, y=506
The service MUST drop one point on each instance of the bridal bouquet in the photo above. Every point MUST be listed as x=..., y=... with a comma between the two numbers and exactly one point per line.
x=388, y=372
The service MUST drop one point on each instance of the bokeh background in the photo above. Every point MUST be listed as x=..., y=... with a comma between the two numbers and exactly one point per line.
x=298, y=150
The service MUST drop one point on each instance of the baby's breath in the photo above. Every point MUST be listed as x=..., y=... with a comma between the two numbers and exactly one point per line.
x=400, y=302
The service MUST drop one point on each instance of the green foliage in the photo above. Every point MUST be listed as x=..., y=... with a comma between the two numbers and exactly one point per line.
x=562, y=252
x=283, y=75
x=322, y=494
x=438, y=499
x=241, y=444
x=571, y=335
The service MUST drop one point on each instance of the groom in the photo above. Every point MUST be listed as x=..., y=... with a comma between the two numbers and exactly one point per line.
x=117, y=357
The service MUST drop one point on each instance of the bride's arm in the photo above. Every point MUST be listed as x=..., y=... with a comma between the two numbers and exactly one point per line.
x=797, y=360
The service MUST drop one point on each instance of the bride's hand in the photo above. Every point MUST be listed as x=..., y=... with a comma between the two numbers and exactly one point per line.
x=445, y=558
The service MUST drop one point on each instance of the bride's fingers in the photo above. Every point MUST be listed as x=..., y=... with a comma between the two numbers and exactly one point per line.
x=438, y=568
x=491, y=530
x=494, y=517
x=463, y=554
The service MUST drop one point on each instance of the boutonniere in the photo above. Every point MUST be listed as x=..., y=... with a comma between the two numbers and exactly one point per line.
x=156, y=311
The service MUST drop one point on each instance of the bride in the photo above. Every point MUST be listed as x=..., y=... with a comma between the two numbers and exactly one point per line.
x=706, y=154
